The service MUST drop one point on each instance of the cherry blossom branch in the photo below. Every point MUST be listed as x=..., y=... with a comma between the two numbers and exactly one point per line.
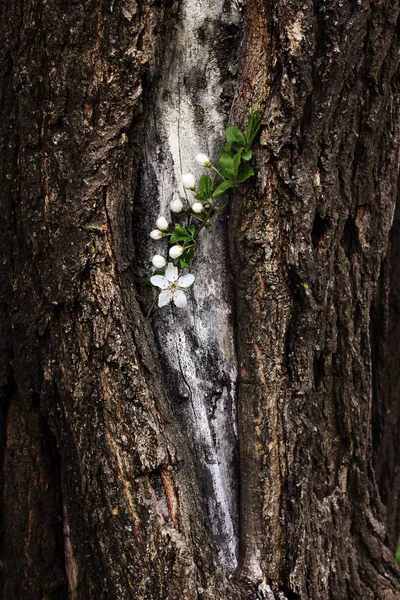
x=205, y=209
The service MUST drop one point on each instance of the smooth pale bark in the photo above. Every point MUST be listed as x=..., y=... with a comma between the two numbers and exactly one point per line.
x=102, y=488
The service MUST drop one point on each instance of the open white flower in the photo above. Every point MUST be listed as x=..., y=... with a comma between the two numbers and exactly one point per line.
x=171, y=285
x=203, y=160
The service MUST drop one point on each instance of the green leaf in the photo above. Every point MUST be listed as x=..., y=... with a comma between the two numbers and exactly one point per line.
x=253, y=126
x=398, y=553
x=225, y=185
x=180, y=229
x=179, y=237
x=236, y=162
x=182, y=263
x=227, y=148
x=189, y=255
x=206, y=187
x=245, y=175
x=233, y=134
x=247, y=155
x=208, y=227
x=227, y=165
x=198, y=216
x=192, y=229
x=236, y=147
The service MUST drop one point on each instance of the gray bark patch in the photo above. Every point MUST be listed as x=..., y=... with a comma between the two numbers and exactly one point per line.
x=189, y=112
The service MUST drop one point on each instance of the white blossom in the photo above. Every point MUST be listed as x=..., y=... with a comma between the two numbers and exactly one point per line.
x=159, y=261
x=171, y=285
x=189, y=181
x=197, y=207
x=162, y=224
x=203, y=160
x=175, y=251
x=176, y=205
x=156, y=234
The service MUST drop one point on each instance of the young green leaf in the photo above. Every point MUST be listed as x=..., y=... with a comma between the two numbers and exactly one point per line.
x=247, y=155
x=233, y=134
x=227, y=148
x=253, y=126
x=182, y=263
x=206, y=187
x=192, y=229
x=189, y=255
x=227, y=165
x=236, y=162
x=179, y=235
x=249, y=172
x=225, y=185
x=180, y=229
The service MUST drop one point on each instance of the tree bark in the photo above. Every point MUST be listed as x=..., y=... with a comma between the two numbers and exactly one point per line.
x=120, y=470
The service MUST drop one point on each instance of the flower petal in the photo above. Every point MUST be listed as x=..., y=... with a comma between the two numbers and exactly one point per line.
x=180, y=299
x=171, y=272
x=165, y=297
x=159, y=281
x=186, y=280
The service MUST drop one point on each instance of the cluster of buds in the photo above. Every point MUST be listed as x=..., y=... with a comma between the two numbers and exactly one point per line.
x=177, y=206
x=207, y=205
x=162, y=229
x=161, y=232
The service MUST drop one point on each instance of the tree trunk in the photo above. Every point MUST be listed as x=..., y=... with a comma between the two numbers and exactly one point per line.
x=125, y=440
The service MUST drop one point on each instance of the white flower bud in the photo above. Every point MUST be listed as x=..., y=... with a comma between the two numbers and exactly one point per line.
x=203, y=160
x=197, y=207
x=156, y=234
x=175, y=251
x=176, y=205
x=158, y=261
x=189, y=181
x=162, y=223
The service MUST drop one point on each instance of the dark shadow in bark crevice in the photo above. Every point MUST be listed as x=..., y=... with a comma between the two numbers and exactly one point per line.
x=385, y=350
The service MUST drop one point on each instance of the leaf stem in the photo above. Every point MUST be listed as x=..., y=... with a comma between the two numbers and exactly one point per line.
x=151, y=306
x=218, y=173
x=204, y=222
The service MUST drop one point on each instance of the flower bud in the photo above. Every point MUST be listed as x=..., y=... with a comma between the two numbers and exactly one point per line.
x=203, y=160
x=175, y=251
x=197, y=207
x=158, y=261
x=189, y=181
x=156, y=234
x=162, y=223
x=176, y=205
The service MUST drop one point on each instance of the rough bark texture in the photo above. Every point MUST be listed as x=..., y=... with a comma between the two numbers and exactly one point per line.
x=310, y=244
x=79, y=350
x=104, y=494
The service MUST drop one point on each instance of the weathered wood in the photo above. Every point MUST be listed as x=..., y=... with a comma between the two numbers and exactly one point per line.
x=309, y=244
x=190, y=105
x=72, y=116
